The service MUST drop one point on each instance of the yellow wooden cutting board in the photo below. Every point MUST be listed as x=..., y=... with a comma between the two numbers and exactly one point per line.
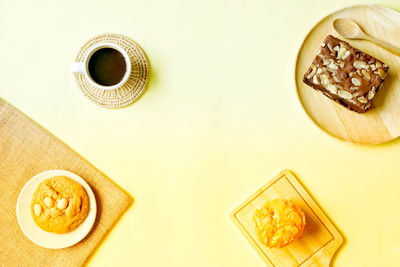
x=320, y=239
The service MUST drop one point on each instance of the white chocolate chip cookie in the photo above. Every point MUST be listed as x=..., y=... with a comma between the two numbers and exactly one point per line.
x=59, y=205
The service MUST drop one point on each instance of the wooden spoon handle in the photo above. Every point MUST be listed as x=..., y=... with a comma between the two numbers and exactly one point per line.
x=391, y=48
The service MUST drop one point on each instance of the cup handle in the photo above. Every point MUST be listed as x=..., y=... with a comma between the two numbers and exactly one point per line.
x=77, y=67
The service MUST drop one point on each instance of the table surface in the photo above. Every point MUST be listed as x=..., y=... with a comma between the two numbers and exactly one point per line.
x=219, y=119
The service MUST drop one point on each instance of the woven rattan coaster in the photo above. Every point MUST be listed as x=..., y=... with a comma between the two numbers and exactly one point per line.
x=132, y=89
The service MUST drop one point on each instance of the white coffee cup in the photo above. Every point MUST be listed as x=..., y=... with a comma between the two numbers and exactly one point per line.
x=83, y=67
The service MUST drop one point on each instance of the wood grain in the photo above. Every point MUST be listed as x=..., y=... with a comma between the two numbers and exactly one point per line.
x=378, y=125
x=320, y=238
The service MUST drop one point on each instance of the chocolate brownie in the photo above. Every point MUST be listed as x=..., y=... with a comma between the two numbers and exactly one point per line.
x=346, y=75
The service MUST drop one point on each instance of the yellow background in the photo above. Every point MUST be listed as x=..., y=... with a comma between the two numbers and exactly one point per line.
x=219, y=119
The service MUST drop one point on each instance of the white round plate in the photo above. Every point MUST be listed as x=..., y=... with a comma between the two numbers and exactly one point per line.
x=34, y=232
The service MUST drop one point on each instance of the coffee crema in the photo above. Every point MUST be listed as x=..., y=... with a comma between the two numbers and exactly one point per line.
x=107, y=66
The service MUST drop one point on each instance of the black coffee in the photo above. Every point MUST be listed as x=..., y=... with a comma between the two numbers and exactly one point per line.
x=107, y=66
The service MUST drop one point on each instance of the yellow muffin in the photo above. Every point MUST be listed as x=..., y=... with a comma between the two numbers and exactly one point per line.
x=278, y=223
x=59, y=205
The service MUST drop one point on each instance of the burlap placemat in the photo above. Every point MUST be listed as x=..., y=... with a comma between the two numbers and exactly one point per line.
x=27, y=149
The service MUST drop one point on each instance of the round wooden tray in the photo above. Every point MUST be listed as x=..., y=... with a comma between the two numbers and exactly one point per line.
x=380, y=124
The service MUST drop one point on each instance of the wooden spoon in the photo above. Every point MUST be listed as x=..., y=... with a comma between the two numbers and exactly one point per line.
x=351, y=30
